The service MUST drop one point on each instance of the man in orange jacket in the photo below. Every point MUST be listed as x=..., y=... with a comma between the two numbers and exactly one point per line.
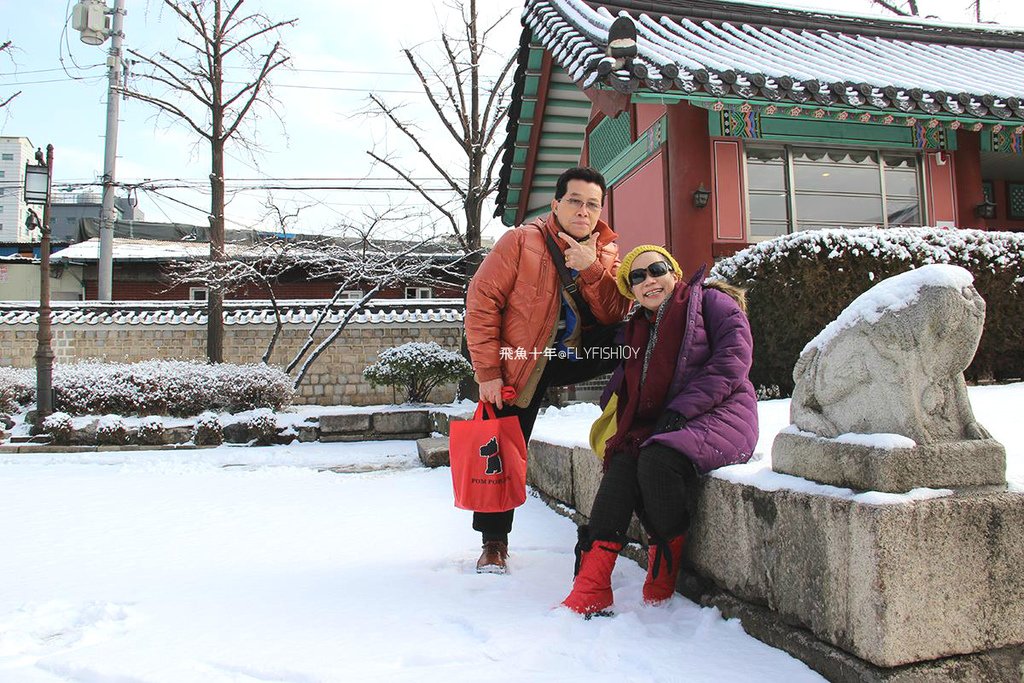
x=526, y=330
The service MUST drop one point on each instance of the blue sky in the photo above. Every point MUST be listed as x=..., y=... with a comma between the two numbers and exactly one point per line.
x=340, y=50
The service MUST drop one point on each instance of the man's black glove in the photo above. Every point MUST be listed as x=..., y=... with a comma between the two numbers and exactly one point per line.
x=670, y=421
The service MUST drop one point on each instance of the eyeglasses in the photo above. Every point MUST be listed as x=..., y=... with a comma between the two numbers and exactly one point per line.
x=577, y=204
x=656, y=269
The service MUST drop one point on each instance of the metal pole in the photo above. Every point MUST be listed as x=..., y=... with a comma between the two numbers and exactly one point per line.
x=107, y=214
x=44, y=351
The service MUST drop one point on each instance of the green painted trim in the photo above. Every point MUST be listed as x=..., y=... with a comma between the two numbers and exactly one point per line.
x=672, y=98
x=564, y=87
x=535, y=60
x=567, y=137
x=646, y=146
x=560, y=118
x=570, y=104
x=537, y=212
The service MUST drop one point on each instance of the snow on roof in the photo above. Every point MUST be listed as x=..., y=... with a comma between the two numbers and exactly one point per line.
x=146, y=250
x=753, y=51
x=299, y=312
x=892, y=294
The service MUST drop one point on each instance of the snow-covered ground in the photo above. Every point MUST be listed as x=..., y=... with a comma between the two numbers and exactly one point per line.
x=170, y=566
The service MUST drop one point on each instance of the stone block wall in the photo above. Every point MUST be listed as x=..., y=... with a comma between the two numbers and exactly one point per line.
x=335, y=378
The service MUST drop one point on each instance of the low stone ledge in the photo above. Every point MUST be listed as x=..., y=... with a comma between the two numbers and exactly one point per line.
x=993, y=666
x=549, y=468
x=433, y=451
x=401, y=422
x=351, y=423
x=891, y=584
x=895, y=470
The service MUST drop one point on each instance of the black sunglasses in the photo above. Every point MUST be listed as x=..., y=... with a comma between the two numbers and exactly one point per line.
x=656, y=269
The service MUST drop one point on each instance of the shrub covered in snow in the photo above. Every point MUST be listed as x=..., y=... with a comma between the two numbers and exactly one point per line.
x=417, y=367
x=262, y=427
x=58, y=426
x=180, y=388
x=151, y=431
x=17, y=388
x=111, y=431
x=799, y=283
x=208, y=431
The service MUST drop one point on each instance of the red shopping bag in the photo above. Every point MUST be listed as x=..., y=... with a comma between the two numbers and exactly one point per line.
x=488, y=461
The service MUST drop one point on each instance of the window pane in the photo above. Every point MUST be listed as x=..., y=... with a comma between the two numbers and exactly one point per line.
x=904, y=212
x=766, y=230
x=839, y=173
x=768, y=207
x=901, y=182
x=812, y=208
x=766, y=169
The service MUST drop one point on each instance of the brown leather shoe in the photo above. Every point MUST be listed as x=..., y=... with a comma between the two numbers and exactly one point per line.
x=492, y=559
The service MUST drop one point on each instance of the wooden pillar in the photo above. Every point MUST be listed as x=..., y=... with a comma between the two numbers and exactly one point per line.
x=967, y=171
x=689, y=165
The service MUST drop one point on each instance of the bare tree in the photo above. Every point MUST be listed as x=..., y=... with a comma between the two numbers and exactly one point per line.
x=911, y=9
x=218, y=35
x=7, y=47
x=357, y=261
x=470, y=104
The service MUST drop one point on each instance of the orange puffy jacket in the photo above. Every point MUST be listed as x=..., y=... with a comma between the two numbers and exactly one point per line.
x=514, y=298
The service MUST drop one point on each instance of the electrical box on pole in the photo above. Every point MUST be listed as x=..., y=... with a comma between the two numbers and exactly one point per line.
x=89, y=17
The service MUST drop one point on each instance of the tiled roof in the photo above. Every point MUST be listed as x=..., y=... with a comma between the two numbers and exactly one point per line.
x=235, y=312
x=752, y=51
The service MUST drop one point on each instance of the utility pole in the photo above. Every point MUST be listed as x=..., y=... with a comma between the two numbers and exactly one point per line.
x=89, y=18
x=108, y=215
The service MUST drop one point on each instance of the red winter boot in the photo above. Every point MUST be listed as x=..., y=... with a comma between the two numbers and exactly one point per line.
x=663, y=564
x=592, y=588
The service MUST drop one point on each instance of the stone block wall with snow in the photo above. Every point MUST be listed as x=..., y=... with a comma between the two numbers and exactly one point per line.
x=335, y=378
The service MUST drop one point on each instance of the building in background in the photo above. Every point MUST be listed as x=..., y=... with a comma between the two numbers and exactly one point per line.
x=15, y=153
x=727, y=123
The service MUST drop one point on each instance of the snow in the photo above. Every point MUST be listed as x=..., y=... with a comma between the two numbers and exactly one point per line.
x=892, y=294
x=234, y=564
x=166, y=567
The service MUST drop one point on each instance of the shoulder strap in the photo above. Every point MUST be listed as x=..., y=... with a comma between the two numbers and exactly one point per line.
x=570, y=286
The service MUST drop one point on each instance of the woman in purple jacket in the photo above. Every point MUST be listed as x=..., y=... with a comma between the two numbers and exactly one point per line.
x=685, y=407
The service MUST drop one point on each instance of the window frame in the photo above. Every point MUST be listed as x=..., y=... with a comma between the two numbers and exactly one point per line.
x=792, y=218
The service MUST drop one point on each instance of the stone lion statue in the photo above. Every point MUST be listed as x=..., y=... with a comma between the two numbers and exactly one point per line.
x=893, y=361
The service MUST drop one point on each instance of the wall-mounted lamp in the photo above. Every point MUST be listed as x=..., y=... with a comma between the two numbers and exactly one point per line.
x=701, y=196
x=986, y=209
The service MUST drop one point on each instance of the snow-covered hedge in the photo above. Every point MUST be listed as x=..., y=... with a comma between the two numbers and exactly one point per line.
x=417, y=367
x=17, y=388
x=796, y=284
x=179, y=388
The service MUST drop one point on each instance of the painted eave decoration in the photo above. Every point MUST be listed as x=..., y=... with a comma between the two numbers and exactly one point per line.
x=736, y=55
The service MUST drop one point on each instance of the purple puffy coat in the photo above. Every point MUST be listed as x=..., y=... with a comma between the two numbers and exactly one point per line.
x=711, y=386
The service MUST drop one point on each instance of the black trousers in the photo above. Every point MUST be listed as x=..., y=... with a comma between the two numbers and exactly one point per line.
x=603, y=357
x=659, y=485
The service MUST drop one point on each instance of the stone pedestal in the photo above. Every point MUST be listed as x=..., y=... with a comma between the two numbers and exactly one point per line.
x=892, y=584
x=960, y=464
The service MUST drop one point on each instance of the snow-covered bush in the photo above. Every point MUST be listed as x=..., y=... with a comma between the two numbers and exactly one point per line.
x=417, y=367
x=151, y=431
x=207, y=431
x=17, y=388
x=180, y=388
x=796, y=284
x=111, y=431
x=262, y=427
x=58, y=426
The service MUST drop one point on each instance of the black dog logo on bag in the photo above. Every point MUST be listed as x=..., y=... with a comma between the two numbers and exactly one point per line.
x=490, y=451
